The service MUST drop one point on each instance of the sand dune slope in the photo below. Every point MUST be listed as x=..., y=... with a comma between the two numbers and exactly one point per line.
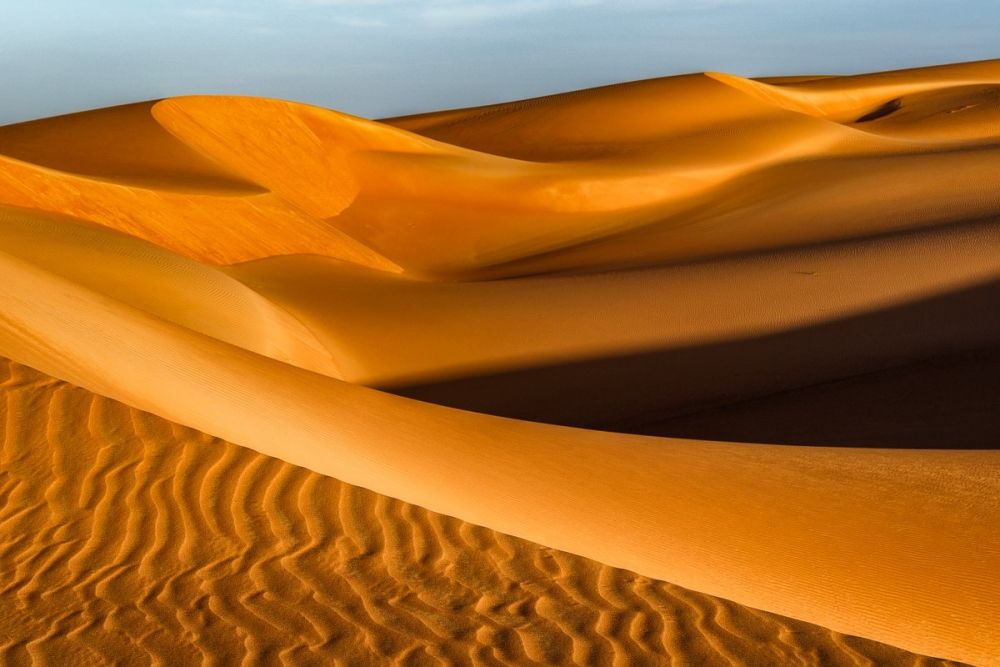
x=394, y=332
x=599, y=120
x=663, y=170
x=842, y=549
x=155, y=281
x=252, y=560
x=801, y=273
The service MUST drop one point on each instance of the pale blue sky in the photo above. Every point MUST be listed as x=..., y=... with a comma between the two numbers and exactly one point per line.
x=385, y=57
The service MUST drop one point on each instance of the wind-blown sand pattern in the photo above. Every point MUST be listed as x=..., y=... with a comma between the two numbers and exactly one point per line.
x=250, y=559
x=799, y=276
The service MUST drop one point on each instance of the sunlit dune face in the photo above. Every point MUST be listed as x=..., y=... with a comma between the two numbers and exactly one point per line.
x=121, y=145
x=286, y=383
x=520, y=187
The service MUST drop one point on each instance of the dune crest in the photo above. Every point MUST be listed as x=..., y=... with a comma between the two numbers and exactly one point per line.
x=335, y=573
x=425, y=307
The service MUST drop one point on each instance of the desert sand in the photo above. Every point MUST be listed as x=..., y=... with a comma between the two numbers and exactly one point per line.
x=694, y=370
x=231, y=556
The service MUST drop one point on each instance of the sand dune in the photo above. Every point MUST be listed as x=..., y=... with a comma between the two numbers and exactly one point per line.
x=800, y=274
x=580, y=169
x=253, y=559
x=398, y=332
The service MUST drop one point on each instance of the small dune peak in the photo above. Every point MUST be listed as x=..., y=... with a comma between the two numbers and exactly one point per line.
x=776, y=95
x=122, y=145
x=303, y=153
x=267, y=142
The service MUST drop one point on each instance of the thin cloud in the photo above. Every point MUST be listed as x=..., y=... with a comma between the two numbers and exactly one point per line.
x=218, y=12
x=456, y=12
x=472, y=12
x=360, y=22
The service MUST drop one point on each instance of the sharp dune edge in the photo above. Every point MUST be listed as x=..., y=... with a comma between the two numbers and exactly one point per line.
x=256, y=561
x=704, y=256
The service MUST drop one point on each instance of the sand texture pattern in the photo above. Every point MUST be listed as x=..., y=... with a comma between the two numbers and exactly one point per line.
x=291, y=386
x=150, y=542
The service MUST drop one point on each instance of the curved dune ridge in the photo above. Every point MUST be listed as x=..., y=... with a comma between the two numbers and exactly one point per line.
x=770, y=305
x=256, y=561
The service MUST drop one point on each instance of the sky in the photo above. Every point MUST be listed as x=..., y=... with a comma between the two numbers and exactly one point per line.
x=378, y=58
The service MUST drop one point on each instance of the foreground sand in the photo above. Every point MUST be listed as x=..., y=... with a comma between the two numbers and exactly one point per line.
x=802, y=274
x=145, y=541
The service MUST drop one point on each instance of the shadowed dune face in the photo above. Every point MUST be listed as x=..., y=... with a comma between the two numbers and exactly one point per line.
x=768, y=308
x=952, y=402
x=614, y=351
x=949, y=401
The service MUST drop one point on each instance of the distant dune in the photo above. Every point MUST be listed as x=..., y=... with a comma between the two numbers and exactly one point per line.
x=506, y=372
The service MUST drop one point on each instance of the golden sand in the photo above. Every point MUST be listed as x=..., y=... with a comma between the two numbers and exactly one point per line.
x=150, y=542
x=770, y=304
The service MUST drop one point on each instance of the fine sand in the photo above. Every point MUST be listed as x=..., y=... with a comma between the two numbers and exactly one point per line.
x=151, y=542
x=501, y=373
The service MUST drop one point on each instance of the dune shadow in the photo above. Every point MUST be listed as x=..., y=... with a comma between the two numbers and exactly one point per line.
x=952, y=401
x=882, y=111
x=922, y=375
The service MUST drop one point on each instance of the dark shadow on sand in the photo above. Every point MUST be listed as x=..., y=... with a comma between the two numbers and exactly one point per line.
x=923, y=375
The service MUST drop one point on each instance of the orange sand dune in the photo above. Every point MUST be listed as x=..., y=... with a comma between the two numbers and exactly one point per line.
x=253, y=559
x=694, y=511
x=553, y=124
x=429, y=331
x=122, y=145
x=801, y=274
x=589, y=167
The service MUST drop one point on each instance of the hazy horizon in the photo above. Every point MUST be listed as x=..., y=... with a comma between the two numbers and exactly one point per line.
x=388, y=57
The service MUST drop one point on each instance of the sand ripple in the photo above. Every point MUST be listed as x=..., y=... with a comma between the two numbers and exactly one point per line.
x=127, y=538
